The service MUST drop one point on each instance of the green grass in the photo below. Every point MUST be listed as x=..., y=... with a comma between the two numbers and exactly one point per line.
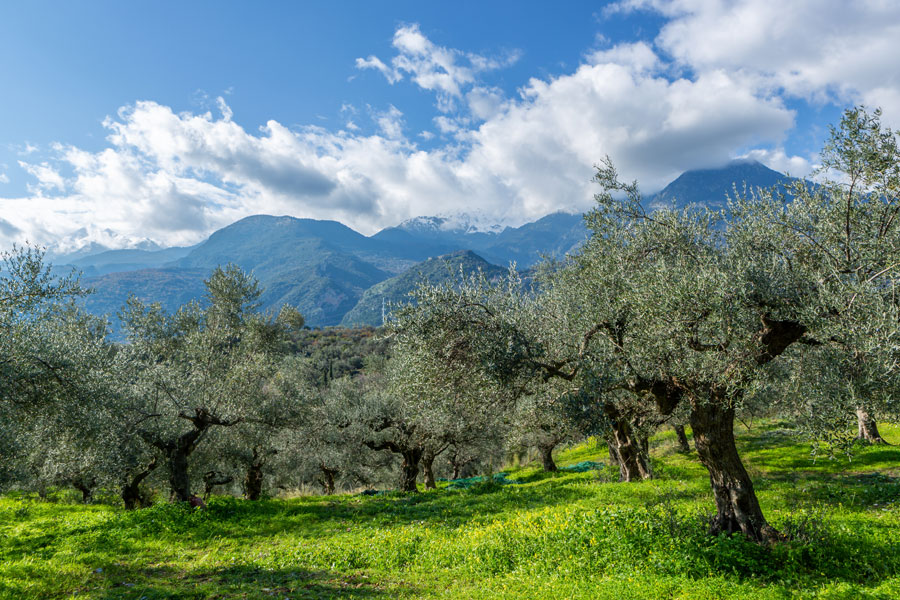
x=565, y=535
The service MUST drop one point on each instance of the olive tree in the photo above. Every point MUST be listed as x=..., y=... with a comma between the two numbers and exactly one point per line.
x=328, y=449
x=718, y=303
x=54, y=366
x=201, y=369
x=841, y=242
x=552, y=415
x=417, y=408
x=40, y=358
x=526, y=343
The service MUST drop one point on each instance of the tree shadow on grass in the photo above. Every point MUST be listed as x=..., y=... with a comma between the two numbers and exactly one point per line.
x=446, y=507
x=245, y=582
x=855, y=490
x=871, y=458
x=245, y=522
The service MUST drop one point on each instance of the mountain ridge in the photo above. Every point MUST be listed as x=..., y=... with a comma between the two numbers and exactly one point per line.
x=325, y=268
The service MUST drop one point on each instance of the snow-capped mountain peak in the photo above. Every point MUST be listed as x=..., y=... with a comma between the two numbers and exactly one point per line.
x=88, y=241
x=459, y=222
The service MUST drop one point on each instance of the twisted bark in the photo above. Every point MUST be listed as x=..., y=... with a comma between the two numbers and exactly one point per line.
x=409, y=469
x=625, y=449
x=253, y=481
x=547, y=458
x=428, y=472
x=212, y=479
x=737, y=508
x=683, y=444
x=177, y=450
x=131, y=487
x=327, y=480
x=867, y=427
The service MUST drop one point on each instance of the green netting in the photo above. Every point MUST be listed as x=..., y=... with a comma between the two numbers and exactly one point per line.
x=461, y=484
x=586, y=465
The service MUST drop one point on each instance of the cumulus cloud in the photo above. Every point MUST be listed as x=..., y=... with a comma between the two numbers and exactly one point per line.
x=445, y=71
x=390, y=122
x=47, y=177
x=656, y=108
x=638, y=56
x=485, y=102
x=779, y=160
x=653, y=127
x=823, y=50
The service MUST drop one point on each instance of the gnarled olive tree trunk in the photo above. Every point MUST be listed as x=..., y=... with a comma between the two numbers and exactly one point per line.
x=213, y=478
x=176, y=456
x=683, y=444
x=409, y=470
x=867, y=427
x=327, y=480
x=253, y=481
x=460, y=462
x=86, y=486
x=428, y=456
x=428, y=472
x=626, y=450
x=177, y=450
x=737, y=508
x=546, y=451
x=131, y=486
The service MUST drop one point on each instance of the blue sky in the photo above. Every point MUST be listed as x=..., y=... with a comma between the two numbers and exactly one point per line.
x=293, y=62
x=122, y=122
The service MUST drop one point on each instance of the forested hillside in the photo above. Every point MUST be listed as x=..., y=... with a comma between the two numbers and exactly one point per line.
x=391, y=294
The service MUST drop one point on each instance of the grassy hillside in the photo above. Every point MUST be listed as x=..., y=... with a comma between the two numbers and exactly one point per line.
x=565, y=535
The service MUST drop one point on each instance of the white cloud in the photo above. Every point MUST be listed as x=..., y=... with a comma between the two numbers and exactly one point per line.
x=390, y=122
x=542, y=147
x=822, y=50
x=47, y=177
x=445, y=71
x=778, y=159
x=224, y=109
x=4, y=178
x=638, y=56
x=174, y=177
x=446, y=125
x=373, y=62
x=485, y=102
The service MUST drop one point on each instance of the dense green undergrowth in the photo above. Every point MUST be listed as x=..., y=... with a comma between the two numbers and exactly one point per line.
x=562, y=535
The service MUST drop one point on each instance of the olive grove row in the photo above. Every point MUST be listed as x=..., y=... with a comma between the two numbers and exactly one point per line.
x=220, y=397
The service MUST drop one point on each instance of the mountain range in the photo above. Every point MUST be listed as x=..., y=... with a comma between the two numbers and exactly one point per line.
x=335, y=275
